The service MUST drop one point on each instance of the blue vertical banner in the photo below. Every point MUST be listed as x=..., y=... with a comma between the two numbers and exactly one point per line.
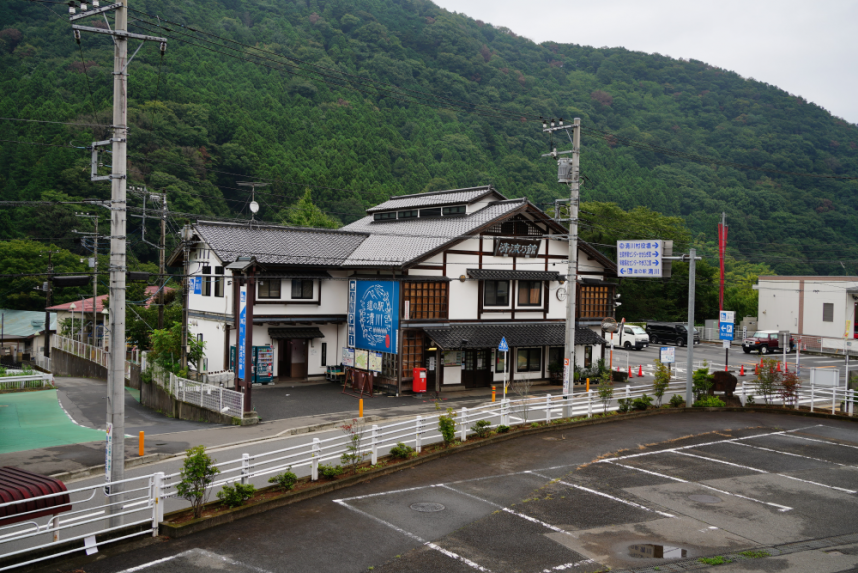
x=374, y=315
x=242, y=332
x=352, y=299
x=197, y=285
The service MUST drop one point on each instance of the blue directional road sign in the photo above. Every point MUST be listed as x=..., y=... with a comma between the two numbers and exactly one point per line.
x=640, y=259
x=503, y=346
x=726, y=331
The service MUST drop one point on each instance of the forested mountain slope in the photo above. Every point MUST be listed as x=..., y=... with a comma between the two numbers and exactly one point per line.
x=214, y=113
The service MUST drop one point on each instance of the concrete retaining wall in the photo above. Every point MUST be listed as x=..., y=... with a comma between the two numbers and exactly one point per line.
x=65, y=364
x=155, y=397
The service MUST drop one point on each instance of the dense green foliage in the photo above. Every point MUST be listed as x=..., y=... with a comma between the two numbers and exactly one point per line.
x=202, y=121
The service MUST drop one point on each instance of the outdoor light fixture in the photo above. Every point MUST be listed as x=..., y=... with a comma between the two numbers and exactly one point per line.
x=432, y=348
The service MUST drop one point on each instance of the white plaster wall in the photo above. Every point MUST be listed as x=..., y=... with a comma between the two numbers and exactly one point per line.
x=818, y=292
x=778, y=307
x=213, y=336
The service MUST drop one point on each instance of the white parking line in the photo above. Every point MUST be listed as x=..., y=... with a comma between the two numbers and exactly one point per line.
x=568, y=566
x=825, y=442
x=778, y=506
x=508, y=510
x=787, y=454
x=621, y=500
x=195, y=552
x=765, y=472
x=417, y=538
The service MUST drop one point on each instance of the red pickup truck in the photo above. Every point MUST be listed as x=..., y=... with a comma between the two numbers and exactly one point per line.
x=766, y=342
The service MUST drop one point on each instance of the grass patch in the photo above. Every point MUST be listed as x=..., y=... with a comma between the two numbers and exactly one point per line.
x=717, y=560
x=755, y=554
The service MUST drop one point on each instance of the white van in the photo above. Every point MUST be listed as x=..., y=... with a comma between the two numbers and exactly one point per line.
x=634, y=337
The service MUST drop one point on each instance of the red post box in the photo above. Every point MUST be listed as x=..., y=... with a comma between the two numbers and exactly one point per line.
x=419, y=384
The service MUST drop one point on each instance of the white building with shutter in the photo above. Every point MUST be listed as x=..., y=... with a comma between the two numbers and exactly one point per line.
x=470, y=266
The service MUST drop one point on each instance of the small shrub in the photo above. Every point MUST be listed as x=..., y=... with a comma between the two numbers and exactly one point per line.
x=676, y=401
x=709, y=402
x=447, y=427
x=534, y=425
x=330, y=472
x=401, y=451
x=718, y=560
x=642, y=403
x=198, y=471
x=749, y=400
x=235, y=495
x=284, y=481
x=482, y=428
x=503, y=429
x=623, y=405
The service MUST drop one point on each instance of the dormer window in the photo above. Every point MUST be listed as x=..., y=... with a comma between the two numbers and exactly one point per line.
x=411, y=214
x=384, y=216
x=456, y=210
x=433, y=212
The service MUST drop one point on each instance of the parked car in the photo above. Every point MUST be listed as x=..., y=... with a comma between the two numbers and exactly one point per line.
x=670, y=333
x=634, y=337
x=766, y=342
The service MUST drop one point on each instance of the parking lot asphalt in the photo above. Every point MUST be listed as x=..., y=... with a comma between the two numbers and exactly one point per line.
x=640, y=494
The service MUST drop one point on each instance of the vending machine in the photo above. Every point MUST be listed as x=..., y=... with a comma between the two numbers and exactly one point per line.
x=262, y=363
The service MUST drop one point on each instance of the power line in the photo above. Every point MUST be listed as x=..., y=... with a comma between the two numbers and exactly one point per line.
x=54, y=122
x=39, y=143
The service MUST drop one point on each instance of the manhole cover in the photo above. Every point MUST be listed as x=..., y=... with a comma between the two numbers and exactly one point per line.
x=650, y=551
x=427, y=507
x=705, y=498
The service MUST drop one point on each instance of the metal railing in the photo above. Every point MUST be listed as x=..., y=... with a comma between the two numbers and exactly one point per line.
x=207, y=396
x=94, y=512
x=21, y=380
x=87, y=352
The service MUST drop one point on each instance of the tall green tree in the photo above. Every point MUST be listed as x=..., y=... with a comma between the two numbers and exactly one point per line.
x=305, y=213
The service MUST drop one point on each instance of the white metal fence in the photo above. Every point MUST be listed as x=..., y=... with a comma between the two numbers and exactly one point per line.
x=21, y=380
x=88, y=352
x=208, y=396
x=142, y=502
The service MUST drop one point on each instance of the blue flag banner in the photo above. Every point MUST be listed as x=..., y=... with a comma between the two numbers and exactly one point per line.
x=242, y=332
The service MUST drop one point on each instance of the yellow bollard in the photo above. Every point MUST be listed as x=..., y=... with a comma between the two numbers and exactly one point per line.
x=493, y=393
x=588, y=384
x=360, y=409
x=142, y=437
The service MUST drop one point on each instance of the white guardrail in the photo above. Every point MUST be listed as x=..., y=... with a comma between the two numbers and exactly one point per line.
x=141, y=504
x=21, y=380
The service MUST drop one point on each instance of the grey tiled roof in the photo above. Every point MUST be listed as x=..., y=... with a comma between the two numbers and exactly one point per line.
x=451, y=197
x=279, y=245
x=399, y=241
x=517, y=335
x=505, y=275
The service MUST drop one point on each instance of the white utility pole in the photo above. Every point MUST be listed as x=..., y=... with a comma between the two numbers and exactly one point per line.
x=689, y=361
x=568, y=171
x=115, y=451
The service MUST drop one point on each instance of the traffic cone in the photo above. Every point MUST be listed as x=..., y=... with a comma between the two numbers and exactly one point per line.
x=756, y=369
x=640, y=371
x=779, y=367
x=725, y=368
x=786, y=366
x=742, y=370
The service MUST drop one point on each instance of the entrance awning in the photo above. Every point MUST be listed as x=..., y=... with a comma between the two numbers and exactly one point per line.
x=297, y=332
x=505, y=275
x=517, y=335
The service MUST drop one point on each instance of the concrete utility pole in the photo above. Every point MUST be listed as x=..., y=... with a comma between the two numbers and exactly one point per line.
x=569, y=172
x=187, y=234
x=692, y=259
x=161, y=265
x=48, y=305
x=115, y=455
x=94, y=270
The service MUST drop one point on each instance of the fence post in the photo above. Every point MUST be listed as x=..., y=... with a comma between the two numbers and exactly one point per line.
x=505, y=412
x=744, y=394
x=628, y=391
x=850, y=401
x=374, y=435
x=245, y=468
x=220, y=400
x=418, y=427
x=314, y=468
x=157, y=501
x=833, y=398
x=463, y=422
x=589, y=403
x=548, y=409
x=811, y=396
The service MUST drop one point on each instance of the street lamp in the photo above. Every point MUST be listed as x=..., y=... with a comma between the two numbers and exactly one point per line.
x=72, y=308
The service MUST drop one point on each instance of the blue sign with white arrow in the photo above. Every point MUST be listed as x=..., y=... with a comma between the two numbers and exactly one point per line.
x=503, y=346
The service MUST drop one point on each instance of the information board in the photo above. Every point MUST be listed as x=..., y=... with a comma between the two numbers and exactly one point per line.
x=725, y=322
x=375, y=359
x=667, y=355
x=349, y=357
x=639, y=259
x=361, y=359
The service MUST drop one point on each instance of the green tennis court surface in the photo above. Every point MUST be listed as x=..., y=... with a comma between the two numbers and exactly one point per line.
x=35, y=420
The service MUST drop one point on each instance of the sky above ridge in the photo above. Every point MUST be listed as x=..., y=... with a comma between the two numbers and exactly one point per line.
x=805, y=48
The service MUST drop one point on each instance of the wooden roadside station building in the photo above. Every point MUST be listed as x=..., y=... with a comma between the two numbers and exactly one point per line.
x=432, y=280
